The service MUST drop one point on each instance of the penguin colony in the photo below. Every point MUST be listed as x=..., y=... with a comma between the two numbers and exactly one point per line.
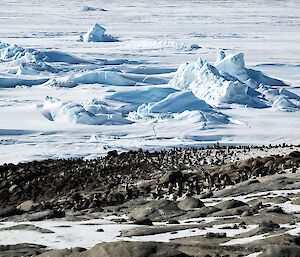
x=77, y=184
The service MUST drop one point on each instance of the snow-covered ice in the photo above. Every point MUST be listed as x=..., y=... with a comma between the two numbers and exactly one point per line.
x=97, y=34
x=158, y=85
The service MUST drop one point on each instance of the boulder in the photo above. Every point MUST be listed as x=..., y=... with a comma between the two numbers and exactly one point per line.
x=280, y=251
x=145, y=222
x=20, y=250
x=268, y=226
x=156, y=210
x=230, y=204
x=189, y=203
x=62, y=252
x=27, y=227
x=206, y=195
x=131, y=249
x=202, y=212
x=231, y=211
x=26, y=206
x=9, y=211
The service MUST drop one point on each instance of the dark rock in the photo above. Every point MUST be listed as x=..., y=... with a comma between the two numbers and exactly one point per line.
x=9, y=211
x=156, y=210
x=230, y=204
x=295, y=154
x=173, y=222
x=28, y=227
x=215, y=235
x=276, y=209
x=206, y=195
x=269, y=225
x=202, y=212
x=246, y=213
x=62, y=252
x=281, y=251
x=21, y=250
x=146, y=222
x=119, y=220
x=231, y=211
x=132, y=249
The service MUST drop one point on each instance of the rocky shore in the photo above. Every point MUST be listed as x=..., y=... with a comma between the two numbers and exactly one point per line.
x=217, y=201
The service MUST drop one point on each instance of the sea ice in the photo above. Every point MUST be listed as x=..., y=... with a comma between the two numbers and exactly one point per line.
x=235, y=66
x=69, y=112
x=97, y=34
x=282, y=103
x=208, y=84
x=230, y=82
x=91, y=77
x=181, y=105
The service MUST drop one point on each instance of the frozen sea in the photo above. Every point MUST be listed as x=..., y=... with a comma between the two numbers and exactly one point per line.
x=84, y=119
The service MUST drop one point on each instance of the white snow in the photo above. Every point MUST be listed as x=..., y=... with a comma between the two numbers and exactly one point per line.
x=91, y=77
x=132, y=79
x=81, y=234
x=185, y=104
x=245, y=240
x=55, y=110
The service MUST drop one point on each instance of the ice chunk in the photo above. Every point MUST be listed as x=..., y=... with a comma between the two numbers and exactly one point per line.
x=140, y=96
x=92, y=9
x=97, y=34
x=230, y=82
x=284, y=104
x=179, y=46
x=181, y=102
x=69, y=112
x=91, y=77
x=235, y=66
x=9, y=81
x=208, y=84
